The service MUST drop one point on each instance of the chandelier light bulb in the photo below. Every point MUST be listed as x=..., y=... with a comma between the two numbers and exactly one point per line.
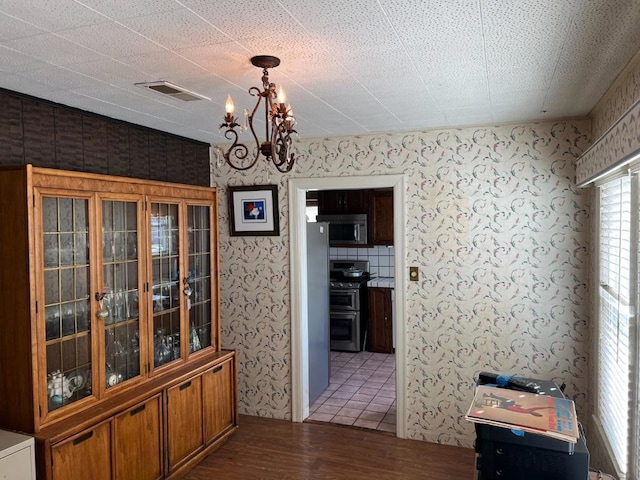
x=229, y=107
x=282, y=95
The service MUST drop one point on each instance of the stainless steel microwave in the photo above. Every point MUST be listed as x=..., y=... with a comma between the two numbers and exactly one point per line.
x=346, y=229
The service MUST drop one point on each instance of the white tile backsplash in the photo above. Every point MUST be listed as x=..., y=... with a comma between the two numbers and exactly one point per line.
x=381, y=258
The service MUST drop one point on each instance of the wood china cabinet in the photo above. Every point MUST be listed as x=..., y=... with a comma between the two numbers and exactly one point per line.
x=110, y=294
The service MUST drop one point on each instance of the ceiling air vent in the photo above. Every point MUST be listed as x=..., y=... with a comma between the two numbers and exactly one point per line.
x=172, y=90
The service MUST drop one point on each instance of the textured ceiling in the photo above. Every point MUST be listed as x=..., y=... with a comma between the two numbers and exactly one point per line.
x=349, y=66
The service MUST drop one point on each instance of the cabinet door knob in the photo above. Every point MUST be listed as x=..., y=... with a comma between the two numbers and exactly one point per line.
x=185, y=385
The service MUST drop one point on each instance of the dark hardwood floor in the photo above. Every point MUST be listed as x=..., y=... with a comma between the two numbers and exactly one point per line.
x=277, y=449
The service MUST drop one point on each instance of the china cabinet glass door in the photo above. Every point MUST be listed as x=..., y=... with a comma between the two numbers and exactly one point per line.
x=67, y=311
x=120, y=267
x=199, y=279
x=166, y=284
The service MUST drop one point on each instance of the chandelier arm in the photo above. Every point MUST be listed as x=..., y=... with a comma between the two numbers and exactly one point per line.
x=283, y=158
x=238, y=151
x=255, y=91
x=278, y=146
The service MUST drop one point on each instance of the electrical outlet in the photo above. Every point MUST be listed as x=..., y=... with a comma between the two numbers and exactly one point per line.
x=414, y=276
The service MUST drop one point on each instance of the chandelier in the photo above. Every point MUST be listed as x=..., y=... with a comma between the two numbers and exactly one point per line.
x=278, y=119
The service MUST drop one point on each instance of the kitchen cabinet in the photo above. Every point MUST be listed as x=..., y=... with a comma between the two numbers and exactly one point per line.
x=380, y=320
x=113, y=284
x=343, y=201
x=381, y=217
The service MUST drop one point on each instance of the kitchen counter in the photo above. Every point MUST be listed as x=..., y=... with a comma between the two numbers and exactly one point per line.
x=382, y=282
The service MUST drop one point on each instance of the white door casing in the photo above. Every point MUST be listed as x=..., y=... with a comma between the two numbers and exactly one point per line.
x=298, y=188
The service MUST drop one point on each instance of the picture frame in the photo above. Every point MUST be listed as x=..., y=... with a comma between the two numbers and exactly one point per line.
x=253, y=210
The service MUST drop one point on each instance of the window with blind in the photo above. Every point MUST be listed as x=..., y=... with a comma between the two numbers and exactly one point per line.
x=617, y=294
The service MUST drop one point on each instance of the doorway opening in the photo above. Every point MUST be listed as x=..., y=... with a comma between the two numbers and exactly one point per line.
x=394, y=365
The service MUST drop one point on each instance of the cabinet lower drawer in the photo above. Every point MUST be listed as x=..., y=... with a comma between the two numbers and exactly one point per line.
x=218, y=393
x=138, y=442
x=85, y=456
x=184, y=421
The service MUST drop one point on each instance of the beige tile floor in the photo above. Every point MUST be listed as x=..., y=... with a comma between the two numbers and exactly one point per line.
x=361, y=392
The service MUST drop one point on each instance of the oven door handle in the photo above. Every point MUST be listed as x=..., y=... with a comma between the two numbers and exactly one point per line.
x=350, y=291
x=356, y=232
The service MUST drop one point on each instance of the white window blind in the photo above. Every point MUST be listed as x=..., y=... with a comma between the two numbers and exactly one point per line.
x=616, y=291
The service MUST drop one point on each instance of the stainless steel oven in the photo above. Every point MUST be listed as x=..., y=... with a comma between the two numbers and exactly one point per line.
x=345, y=330
x=347, y=299
x=348, y=308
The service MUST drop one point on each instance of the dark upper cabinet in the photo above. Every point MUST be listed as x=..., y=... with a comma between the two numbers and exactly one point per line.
x=381, y=217
x=332, y=202
x=377, y=204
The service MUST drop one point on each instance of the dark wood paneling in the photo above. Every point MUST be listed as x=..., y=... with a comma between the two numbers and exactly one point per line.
x=202, y=168
x=118, y=149
x=190, y=164
x=69, y=151
x=46, y=134
x=94, y=139
x=11, y=140
x=158, y=157
x=39, y=134
x=174, y=160
x=139, y=152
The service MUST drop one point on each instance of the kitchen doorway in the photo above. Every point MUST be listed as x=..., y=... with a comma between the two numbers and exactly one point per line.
x=298, y=189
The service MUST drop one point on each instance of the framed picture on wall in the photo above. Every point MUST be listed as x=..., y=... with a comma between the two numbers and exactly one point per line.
x=254, y=210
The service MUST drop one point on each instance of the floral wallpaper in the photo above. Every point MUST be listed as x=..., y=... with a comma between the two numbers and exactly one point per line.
x=620, y=142
x=618, y=99
x=501, y=236
x=615, y=124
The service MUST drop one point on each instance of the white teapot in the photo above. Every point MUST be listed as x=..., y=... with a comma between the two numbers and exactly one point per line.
x=60, y=386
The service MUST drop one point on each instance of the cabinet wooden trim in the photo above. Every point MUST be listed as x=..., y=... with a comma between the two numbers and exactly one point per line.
x=81, y=181
x=16, y=258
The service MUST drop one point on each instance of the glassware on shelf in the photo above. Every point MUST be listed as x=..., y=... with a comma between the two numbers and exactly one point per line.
x=194, y=341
